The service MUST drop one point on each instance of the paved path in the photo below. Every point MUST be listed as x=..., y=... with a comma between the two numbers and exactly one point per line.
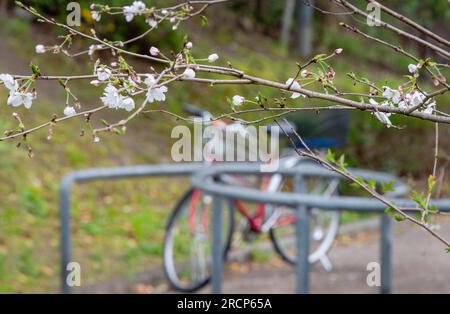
x=420, y=266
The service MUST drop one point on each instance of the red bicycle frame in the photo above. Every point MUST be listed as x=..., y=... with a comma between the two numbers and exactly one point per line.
x=255, y=220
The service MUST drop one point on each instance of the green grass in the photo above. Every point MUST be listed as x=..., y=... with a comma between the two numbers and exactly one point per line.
x=118, y=227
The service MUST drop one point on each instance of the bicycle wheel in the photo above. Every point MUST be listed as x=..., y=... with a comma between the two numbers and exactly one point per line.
x=324, y=224
x=188, y=241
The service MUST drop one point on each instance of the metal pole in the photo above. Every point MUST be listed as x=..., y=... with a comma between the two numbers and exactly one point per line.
x=65, y=245
x=302, y=233
x=305, y=27
x=217, y=251
x=386, y=254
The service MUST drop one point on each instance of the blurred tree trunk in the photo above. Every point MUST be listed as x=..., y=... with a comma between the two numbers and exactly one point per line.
x=288, y=15
x=3, y=8
x=305, y=27
x=258, y=10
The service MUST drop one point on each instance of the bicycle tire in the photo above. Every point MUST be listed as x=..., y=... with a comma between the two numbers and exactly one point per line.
x=169, y=266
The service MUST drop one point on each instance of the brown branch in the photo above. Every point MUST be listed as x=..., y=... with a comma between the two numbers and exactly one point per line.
x=363, y=185
x=396, y=30
x=411, y=23
x=53, y=121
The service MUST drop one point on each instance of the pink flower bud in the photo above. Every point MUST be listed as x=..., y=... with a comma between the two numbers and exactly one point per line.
x=304, y=73
x=154, y=51
x=96, y=82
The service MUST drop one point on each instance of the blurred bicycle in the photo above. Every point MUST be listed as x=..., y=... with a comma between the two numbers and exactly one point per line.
x=187, y=245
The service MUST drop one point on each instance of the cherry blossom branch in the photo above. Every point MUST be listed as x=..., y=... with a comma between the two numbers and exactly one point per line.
x=123, y=122
x=54, y=120
x=395, y=29
x=232, y=114
x=411, y=23
x=395, y=48
x=432, y=179
x=247, y=79
x=345, y=173
x=308, y=3
x=243, y=78
x=93, y=37
x=380, y=41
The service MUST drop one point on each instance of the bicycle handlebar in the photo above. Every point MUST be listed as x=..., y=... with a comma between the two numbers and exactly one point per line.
x=195, y=111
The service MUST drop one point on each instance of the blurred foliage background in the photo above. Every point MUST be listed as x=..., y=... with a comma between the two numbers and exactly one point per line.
x=118, y=227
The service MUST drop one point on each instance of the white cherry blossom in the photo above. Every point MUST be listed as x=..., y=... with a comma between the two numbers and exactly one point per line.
x=392, y=94
x=96, y=16
x=402, y=104
x=213, y=57
x=40, y=49
x=137, y=8
x=127, y=103
x=149, y=80
x=69, y=111
x=237, y=100
x=412, y=68
x=9, y=82
x=383, y=117
x=189, y=73
x=16, y=99
x=294, y=84
x=110, y=97
x=103, y=73
x=156, y=94
x=152, y=22
x=93, y=48
x=128, y=11
x=416, y=98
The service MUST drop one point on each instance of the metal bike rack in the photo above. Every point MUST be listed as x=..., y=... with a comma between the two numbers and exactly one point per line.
x=165, y=170
x=203, y=179
x=302, y=203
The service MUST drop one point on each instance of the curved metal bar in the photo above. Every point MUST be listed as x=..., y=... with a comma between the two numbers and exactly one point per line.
x=70, y=179
x=204, y=180
x=301, y=202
